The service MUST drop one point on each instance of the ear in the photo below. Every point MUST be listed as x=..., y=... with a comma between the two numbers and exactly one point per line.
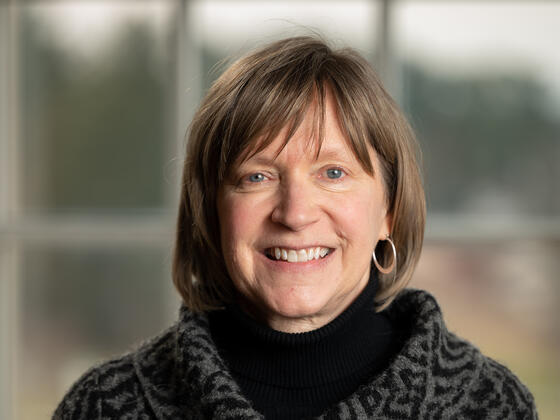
x=386, y=226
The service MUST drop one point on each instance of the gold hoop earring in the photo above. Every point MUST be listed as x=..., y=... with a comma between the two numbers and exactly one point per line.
x=393, y=263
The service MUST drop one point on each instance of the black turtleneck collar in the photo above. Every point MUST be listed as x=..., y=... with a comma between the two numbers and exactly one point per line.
x=294, y=375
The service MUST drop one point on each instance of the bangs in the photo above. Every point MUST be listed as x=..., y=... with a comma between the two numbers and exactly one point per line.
x=285, y=113
x=288, y=121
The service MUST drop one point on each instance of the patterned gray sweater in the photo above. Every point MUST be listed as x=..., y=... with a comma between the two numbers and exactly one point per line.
x=180, y=375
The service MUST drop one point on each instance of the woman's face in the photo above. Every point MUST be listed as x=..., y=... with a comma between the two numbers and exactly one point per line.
x=298, y=231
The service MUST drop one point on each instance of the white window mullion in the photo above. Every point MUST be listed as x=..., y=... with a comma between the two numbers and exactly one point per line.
x=387, y=67
x=187, y=93
x=188, y=81
x=9, y=209
x=9, y=329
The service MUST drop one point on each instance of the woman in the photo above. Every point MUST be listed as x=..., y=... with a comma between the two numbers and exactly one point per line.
x=301, y=221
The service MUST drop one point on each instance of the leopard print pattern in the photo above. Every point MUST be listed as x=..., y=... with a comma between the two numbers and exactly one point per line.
x=180, y=375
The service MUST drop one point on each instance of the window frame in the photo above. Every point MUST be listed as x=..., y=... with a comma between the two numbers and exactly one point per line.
x=17, y=230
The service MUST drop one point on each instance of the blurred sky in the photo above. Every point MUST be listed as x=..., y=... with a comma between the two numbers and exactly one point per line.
x=88, y=26
x=499, y=34
x=523, y=35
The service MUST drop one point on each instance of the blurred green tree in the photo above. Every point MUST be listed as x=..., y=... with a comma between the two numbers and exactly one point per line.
x=486, y=135
x=95, y=127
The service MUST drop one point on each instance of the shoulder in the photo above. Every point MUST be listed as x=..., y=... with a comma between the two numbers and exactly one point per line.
x=117, y=387
x=82, y=400
x=464, y=380
x=498, y=391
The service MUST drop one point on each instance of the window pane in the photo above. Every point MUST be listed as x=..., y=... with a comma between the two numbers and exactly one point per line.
x=83, y=305
x=96, y=92
x=481, y=85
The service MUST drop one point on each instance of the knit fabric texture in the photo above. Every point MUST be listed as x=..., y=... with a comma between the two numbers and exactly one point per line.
x=180, y=375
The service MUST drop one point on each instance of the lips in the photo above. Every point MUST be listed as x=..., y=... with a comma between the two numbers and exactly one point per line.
x=297, y=255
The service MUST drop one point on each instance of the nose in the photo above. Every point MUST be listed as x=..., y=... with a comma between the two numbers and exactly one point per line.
x=296, y=208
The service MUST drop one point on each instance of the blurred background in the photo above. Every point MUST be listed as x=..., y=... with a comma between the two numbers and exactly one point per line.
x=95, y=99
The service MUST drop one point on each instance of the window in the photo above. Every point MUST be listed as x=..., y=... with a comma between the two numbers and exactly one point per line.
x=95, y=99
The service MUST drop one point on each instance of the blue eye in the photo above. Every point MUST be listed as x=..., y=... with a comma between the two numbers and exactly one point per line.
x=335, y=173
x=258, y=177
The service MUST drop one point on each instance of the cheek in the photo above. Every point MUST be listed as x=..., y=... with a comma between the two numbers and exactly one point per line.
x=358, y=218
x=233, y=222
x=237, y=224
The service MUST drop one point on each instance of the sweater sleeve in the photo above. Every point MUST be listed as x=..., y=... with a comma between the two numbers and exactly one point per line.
x=82, y=401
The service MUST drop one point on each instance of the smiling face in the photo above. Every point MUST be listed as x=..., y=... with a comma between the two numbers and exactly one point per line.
x=298, y=230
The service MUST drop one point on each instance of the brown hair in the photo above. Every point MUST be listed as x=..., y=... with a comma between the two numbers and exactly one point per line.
x=246, y=108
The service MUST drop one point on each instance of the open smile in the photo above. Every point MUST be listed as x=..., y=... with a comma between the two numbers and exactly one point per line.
x=297, y=255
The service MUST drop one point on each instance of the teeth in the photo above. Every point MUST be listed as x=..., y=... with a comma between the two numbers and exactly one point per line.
x=292, y=256
x=302, y=255
x=310, y=253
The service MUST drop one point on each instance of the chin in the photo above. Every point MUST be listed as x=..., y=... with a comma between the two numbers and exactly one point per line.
x=294, y=305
